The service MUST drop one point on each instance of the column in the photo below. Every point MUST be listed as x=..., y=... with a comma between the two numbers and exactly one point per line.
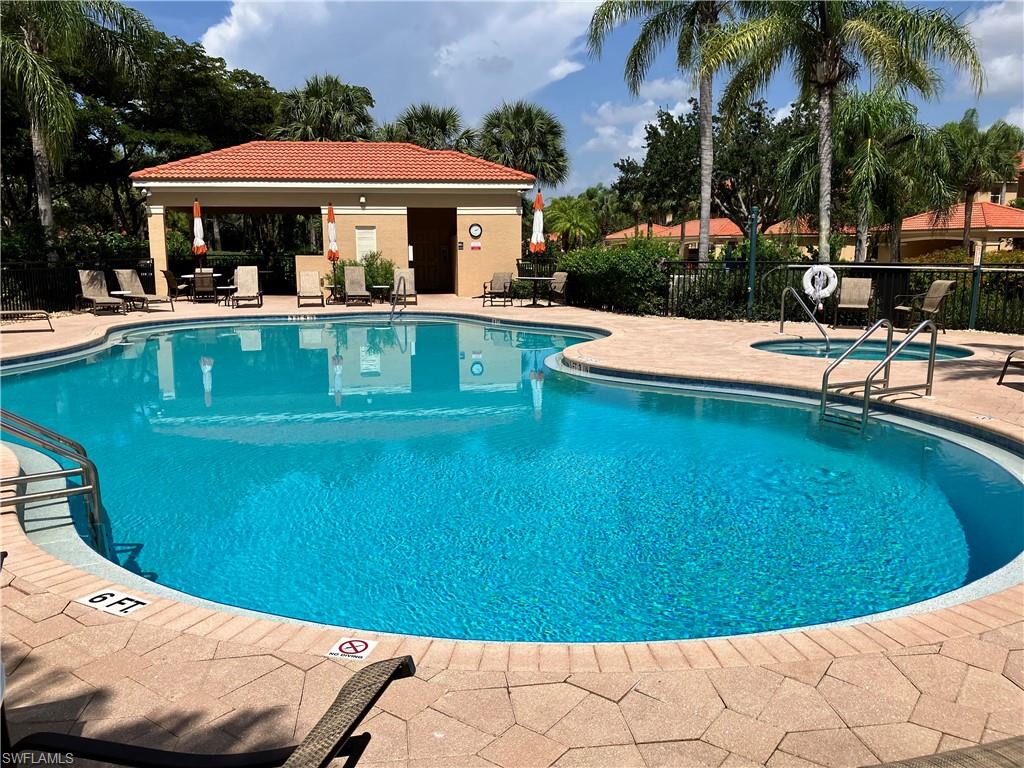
x=157, y=246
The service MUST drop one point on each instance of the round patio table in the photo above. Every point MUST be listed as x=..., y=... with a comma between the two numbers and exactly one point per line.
x=380, y=293
x=536, y=284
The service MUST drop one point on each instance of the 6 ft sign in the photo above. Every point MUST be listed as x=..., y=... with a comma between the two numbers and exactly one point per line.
x=116, y=603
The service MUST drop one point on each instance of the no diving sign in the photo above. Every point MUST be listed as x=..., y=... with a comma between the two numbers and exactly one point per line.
x=352, y=648
x=109, y=601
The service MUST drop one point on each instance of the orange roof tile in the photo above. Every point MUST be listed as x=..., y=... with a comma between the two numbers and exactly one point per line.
x=984, y=215
x=719, y=228
x=657, y=230
x=331, y=161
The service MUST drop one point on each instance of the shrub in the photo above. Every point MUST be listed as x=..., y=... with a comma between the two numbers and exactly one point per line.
x=379, y=271
x=957, y=255
x=624, y=278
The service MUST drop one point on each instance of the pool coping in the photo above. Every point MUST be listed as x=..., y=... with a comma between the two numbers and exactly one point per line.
x=925, y=621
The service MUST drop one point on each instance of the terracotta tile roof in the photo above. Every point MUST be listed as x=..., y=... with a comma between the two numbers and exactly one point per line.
x=657, y=231
x=331, y=161
x=984, y=215
x=719, y=228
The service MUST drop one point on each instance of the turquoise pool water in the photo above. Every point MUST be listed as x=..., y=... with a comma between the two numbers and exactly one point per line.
x=872, y=349
x=436, y=479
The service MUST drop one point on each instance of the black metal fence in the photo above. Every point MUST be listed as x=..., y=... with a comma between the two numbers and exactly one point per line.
x=719, y=291
x=277, y=273
x=55, y=287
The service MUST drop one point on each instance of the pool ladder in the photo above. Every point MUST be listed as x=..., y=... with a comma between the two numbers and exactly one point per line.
x=869, y=388
x=789, y=290
x=399, y=291
x=54, y=442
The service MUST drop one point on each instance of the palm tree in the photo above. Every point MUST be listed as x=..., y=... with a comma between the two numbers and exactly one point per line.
x=573, y=218
x=689, y=25
x=979, y=159
x=36, y=35
x=326, y=109
x=827, y=42
x=528, y=138
x=437, y=128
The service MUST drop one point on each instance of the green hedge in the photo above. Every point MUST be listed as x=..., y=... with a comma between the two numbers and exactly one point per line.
x=625, y=278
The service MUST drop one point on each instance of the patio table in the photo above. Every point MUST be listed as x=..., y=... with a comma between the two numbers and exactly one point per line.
x=536, y=284
x=380, y=293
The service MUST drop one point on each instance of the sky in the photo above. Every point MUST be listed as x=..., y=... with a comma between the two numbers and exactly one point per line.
x=476, y=54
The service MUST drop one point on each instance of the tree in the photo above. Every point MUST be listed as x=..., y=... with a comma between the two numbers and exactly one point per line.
x=436, y=128
x=573, y=219
x=827, y=41
x=688, y=25
x=326, y=109
x=528, y=138
x=670, y=171
x=630, y=189
x=35, y=37
x=979, y=159
x=607, y=209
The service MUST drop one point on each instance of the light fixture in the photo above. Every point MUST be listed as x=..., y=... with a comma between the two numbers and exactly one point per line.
x=362, y=200
x=145, y=193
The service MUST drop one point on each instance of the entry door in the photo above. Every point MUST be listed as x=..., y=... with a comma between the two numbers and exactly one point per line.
x=431, y=233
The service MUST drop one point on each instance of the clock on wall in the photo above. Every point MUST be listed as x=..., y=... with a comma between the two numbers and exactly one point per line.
x=475, y=230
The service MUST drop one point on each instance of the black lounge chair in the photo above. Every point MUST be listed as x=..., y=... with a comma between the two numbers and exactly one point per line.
x=328, y=738
x=1009, y=359
x=498, y=289
x=1008, y=753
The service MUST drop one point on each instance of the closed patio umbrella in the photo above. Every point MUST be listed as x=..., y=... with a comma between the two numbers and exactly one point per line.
x=206, y=366
x=537, y=244
x=337, y=363
x=332, y=244
x=198, y=244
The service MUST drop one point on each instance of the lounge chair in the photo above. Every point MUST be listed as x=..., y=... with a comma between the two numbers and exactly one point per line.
x=247, y=286
x=129, y=281
x=332, y=734
x=406, y=293
x=309, y=288
x=1005, y=753
x=95, y=293
x=557, y=287
x=855, y=295
x=1010, y=359
x=928, y=304
x=498, y=288
x=204, y=287
x=175, y=288
x=355, y=286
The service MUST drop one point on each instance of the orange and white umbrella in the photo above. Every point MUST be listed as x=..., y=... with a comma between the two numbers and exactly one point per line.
x=198, y=244
x=537, y=244
x=332, y=235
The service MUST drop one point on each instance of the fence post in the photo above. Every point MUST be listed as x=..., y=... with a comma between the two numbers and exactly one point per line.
x=975, y=289
x=751, y=263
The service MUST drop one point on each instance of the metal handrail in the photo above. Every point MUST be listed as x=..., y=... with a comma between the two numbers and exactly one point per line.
x=65, y=447
x=807, y=311
x=835, y=363
x=886, y=389
x=399, y=288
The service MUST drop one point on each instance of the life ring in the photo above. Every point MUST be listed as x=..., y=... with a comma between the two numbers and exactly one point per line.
x=820, y=281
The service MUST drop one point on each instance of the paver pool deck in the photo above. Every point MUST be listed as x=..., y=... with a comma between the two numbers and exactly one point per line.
x=179, y=676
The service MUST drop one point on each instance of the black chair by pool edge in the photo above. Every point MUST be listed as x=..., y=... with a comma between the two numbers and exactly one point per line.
x=324, y=741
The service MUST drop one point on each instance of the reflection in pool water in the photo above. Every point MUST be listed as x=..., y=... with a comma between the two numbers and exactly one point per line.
x=434, y=478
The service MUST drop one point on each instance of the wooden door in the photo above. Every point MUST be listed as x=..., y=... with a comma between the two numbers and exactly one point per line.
x=431, y=232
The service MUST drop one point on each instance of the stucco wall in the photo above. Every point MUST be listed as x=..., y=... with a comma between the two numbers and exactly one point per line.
x=500, y=247
x=392, y=234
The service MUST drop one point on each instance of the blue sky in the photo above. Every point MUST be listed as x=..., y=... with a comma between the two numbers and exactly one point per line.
x=476, y=54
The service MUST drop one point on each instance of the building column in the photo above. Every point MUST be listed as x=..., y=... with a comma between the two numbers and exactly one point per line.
x=323, y=221
x=157, y=246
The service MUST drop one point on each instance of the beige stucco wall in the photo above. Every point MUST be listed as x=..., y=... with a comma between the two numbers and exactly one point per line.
x=157, y=247
x=392, y=234
x=500, y=247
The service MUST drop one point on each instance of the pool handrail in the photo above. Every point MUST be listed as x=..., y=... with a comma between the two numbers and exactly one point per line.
x=885, y=363
x=399, y=290
x=807, y=311
x=826, y=386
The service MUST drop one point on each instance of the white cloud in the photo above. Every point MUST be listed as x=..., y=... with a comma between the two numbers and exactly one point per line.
x=564, y=68
x=471, y=55
x=662, y=90
x=997, y=32
x=620, y=128
x=1015, y=116
x=783, y=112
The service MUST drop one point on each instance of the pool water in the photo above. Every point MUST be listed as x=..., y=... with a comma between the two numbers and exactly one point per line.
x=873, y=349
x=434, y=478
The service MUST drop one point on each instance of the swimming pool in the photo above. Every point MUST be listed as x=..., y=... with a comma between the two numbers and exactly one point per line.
x=873, y=349
x=434, y=478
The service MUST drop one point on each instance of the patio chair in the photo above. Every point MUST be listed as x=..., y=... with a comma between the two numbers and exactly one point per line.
x=129, y=281
x=309, y=288
x=355, y=286
x=95, y=293
x=1010, y=359
x=332, y=734
x=408, y=289
x=929, y=304
x=498, y=288
x=204, y=287
x=855, y=294
x=557, y=287
x=175, y=288
x=1005, y=753
x=247, y=286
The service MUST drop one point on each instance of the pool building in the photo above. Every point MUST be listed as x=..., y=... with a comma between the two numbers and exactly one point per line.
x=455, y=218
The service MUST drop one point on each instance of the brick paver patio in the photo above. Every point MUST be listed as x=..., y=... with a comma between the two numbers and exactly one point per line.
x=185, y=677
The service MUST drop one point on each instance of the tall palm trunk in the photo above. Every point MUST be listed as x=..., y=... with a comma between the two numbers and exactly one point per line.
x=861, y=254
x=825, y=172
x=44, y=196
x=707, y=163
x=968, y=212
